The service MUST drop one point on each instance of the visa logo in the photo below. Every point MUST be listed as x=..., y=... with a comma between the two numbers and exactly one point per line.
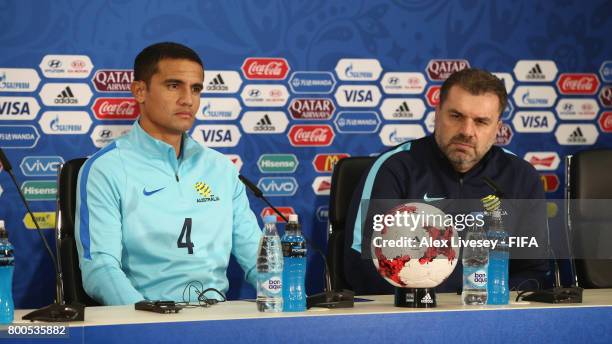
x=216, y=135
x=358, y=96
x=14, y=108
x=535, y=121
x=41, y=166
x=279, y=186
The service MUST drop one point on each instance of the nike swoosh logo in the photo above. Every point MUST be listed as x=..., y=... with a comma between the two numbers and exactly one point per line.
x=431, y=199
x=149, y=193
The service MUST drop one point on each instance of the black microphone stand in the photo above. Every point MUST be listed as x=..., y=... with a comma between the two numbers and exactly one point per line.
x=57, y=311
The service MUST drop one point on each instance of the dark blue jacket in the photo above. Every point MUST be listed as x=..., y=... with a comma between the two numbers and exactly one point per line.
x=419, y=171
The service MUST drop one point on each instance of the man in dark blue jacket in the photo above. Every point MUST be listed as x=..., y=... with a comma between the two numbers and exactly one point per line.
x=454, y=163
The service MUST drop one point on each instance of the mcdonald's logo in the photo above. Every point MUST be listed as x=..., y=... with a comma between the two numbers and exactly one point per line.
x=324, y=163
x=550, y=182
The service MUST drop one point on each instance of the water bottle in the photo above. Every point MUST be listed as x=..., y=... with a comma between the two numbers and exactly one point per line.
x=498, y=288
x=294, y=256
x=7, y=265
x=475, y=265
x=270, y=269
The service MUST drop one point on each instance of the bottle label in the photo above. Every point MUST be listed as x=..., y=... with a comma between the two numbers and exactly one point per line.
x=474, y=277
x=272, y=286
x=294, y=249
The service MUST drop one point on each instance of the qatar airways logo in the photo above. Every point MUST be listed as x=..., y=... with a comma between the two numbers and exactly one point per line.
x=113, y=80
x=440, y=70
x=265, y=68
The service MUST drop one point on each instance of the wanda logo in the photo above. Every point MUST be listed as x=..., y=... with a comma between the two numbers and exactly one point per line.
x=578, y=83
x=311, y=135
x=265, y=68
x=116, y=108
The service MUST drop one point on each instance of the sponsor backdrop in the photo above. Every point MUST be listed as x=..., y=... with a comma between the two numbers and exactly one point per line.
x=291, y=87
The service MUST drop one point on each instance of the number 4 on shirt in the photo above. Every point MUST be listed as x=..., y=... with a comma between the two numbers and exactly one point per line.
x=185, y=235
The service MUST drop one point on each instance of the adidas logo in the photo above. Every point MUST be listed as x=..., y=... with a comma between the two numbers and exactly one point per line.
x=66, y=97
x=264, y=124
x=403, y=111
x=536, y=73
x=427, y=299
x=217, y=84
x=576, y=136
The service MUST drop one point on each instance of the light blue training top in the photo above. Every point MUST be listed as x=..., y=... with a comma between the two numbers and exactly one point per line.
x=148, y=222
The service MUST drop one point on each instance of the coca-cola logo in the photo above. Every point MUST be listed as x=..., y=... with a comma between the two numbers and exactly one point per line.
x=312, y=108
x=578, y=83
x=107, y=80
x=116, y=109
x=433, y=96
x=311, y=135
x=440, y=70
x=605, y=122
x=263, y=68
x=605, y=96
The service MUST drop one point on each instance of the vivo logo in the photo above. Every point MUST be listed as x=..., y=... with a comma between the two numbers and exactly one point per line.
x=41, y=166
x=278, y=186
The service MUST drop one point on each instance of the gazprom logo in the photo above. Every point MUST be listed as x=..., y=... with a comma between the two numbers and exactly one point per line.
x=278, y=186
x=41, y=166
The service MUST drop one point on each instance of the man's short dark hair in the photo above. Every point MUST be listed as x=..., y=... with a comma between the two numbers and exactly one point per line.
x=476, y=82
x=145, y=64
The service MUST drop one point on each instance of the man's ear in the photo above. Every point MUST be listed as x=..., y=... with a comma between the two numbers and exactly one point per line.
x=139, y=88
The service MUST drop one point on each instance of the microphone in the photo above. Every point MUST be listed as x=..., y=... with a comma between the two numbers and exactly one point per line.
x=57, y=311
x=493, y=186
x=259, y=194
x=328, y=298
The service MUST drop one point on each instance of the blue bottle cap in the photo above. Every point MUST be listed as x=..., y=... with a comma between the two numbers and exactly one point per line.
x=270, y=219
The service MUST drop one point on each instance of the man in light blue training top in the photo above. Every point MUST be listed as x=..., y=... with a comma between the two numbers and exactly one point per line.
x=155, y=210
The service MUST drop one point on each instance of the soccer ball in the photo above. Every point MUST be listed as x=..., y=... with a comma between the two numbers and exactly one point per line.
x=413, y=261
